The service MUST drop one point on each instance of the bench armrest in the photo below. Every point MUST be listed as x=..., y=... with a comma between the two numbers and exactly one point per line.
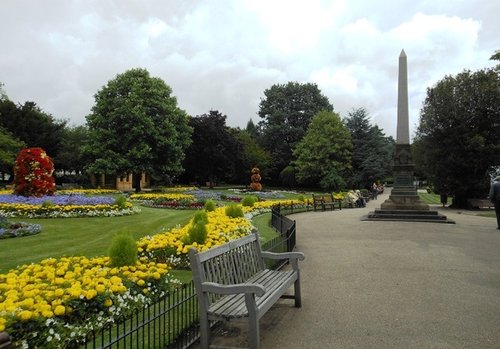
x=293, y=257
x=213, y=287
x=283, y=255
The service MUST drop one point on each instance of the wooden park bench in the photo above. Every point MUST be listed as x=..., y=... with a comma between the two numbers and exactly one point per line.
x=5, y=342
x=231, y=282
x=325, y=201
x=479, y=203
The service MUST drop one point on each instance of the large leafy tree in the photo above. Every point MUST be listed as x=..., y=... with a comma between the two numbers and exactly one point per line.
x=372, y=150
x=215, y=151
x=252, y=130
x=458, y=137
x=71, y=158
x=136, y=126
x=324, y=154
x=252, y=155
x=29, y=124
x=3, y=95
x=286, y=111
x=9, y=148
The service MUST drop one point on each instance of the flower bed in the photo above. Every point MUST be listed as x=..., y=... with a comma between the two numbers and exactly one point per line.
x=51, y=303
x=164, y=196
x=88, y=191
x=169, y=200
x=176, y=205
x=55, y=301
x=63, y=206
x=170, y=245
x=177, y=189
x=18, y=229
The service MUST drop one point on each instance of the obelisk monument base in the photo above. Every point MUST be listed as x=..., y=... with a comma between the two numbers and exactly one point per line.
x=404, y=195
x=404, y=203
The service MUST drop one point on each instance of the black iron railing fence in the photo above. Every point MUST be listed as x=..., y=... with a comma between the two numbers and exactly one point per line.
x=172, y=322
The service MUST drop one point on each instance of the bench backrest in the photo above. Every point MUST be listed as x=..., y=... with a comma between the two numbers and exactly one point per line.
x=232, y=263
x=328, y=198
x=323, y=198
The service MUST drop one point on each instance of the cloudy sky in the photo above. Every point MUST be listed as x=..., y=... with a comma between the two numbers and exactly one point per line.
x=223, y=54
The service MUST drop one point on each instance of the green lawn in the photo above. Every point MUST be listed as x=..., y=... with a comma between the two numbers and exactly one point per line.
x=83, y=236
x=263, y=224
x=432, y=199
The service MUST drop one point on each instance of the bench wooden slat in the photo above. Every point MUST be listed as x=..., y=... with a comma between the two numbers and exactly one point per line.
x=233, y=306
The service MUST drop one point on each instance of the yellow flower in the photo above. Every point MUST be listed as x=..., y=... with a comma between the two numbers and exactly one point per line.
x=47, y=314
x=108, y=302
x=100, y=288
x=25, y=315
x=59, y=310
x=90, y=294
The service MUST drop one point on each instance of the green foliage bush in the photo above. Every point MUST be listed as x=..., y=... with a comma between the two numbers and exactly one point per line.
x=332, y=182
x=288, y=177
x=301, y=198
x=198, y=232
x=120, y=201
x=210, y=205
x=234, y=211
x=249, y=200
x=123, y=250
x=47, y=204
x=200, y=216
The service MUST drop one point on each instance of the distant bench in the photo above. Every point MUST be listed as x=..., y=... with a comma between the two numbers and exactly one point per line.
x=231, y=281
x=479, y=203
x=325, y=201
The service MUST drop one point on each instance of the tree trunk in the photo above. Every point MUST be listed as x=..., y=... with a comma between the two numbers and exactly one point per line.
x=137, y=182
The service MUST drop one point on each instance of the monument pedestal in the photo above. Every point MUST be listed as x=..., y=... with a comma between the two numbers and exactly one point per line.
x=403, y=203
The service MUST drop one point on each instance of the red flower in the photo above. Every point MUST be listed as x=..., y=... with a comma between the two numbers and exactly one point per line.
x=33, y=173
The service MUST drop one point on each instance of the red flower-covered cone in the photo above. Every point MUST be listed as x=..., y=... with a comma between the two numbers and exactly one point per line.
x=33, y=173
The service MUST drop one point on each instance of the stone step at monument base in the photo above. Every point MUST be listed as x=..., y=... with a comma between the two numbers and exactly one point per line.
x=408, y=216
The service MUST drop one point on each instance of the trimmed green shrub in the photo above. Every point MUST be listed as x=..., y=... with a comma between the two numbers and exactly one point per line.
x=210, y=205
x=200, y=216
x=47, y=204
x=120, y=201
x=123, y=250
x=234, y=211
x=198, y=232
x=301, y=198
x=249, y=200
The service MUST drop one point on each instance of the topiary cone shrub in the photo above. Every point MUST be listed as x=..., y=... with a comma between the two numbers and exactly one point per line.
x=123, y=250
x=255, y=185
x=33, y=173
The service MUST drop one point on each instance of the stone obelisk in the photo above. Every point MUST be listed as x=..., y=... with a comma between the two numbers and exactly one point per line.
x=404, y=194
x=404, y=203
x=403, y=130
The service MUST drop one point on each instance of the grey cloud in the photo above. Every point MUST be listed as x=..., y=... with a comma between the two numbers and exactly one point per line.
x=222, y=55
